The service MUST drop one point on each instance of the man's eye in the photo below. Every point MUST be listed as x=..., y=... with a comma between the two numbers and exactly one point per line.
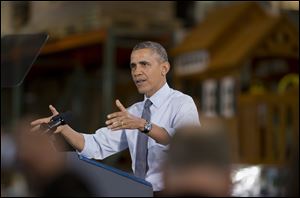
x=144, y=63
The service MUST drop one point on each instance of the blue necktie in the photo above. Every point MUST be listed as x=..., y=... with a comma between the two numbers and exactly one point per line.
x=142, y=145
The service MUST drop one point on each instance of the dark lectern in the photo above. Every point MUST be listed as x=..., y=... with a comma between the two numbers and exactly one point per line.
x=106, y=181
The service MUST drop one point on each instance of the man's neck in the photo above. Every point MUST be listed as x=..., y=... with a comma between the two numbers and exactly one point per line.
x=148, y=95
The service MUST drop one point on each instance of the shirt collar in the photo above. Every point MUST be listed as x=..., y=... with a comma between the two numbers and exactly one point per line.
x=160, y=96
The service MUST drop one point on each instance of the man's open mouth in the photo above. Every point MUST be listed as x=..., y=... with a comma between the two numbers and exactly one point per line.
x=139, y=82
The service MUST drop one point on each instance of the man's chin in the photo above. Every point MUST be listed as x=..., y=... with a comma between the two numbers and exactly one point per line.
x=142, y=91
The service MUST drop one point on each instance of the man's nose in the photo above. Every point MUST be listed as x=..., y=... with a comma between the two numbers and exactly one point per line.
x=137, y=71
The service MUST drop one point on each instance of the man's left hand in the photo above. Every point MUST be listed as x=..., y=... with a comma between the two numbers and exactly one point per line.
x=124, y=120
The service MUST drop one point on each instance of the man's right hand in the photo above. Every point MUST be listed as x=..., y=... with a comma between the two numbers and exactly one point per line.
x=73, y=137
x=37, y=123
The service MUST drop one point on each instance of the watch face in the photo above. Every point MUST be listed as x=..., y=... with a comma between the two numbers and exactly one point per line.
x=148, y=127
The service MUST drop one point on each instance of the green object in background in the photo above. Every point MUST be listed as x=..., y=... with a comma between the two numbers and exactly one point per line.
x=288, y=80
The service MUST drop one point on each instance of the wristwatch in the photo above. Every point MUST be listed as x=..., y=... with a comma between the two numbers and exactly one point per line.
x=147, y=127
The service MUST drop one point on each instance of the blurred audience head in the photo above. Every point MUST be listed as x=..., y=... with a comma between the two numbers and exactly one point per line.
x=199, y=162
x=35, y=151
x=44, y=167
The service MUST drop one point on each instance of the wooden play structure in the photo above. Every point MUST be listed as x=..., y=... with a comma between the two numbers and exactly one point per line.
x=246, y=60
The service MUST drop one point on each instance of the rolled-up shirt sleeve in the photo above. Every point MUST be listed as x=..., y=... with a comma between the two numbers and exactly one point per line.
x=103, y=143
x=187, y=115
x=170, y=131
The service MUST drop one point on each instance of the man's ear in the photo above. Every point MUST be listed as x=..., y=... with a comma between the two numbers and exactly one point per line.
x=165, y=68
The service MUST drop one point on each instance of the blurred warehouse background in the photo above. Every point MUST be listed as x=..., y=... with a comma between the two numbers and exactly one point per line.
x=238, y=60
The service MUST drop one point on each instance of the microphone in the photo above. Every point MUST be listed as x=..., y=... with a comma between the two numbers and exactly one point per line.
x=60, y=119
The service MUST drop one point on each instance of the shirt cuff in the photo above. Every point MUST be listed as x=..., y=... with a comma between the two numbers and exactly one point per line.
x=170, y=131
x=86, y=152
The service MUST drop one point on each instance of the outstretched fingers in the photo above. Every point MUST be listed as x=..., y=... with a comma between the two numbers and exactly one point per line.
x=120, y=106
x=53, y=110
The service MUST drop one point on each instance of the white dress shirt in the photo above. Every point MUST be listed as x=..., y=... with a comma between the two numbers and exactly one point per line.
x=171, y=109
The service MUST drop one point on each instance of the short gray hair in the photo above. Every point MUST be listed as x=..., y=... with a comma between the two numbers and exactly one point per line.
x=156, y=47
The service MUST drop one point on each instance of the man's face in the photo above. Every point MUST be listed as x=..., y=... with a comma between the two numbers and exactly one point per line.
x=148, y=71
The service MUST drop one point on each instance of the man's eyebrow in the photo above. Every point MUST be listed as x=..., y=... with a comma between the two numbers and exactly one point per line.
x=144, y=62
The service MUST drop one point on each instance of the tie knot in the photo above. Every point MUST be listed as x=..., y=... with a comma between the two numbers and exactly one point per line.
x=148, y=103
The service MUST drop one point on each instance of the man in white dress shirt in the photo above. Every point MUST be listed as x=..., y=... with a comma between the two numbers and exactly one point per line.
x=145, y=127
